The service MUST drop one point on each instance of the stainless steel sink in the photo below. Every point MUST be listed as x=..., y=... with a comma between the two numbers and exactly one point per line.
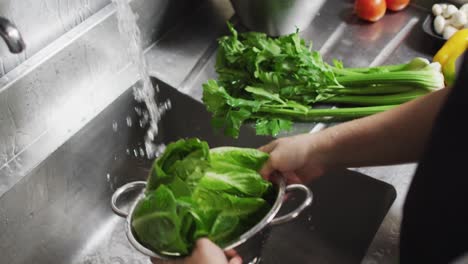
x=60, y=212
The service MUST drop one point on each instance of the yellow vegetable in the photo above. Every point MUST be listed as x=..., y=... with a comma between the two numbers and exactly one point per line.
x=449, y=53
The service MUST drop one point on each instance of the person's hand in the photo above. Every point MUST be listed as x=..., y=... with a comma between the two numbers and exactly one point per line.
x=206, y=252
x=299, y=158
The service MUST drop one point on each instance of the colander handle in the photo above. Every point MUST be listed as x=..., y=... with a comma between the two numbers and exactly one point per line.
x=307, y=201
x=123, y=189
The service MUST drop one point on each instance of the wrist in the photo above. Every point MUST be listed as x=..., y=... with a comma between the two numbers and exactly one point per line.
x=320, y=151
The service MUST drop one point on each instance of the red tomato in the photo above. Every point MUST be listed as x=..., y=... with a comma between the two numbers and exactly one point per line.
x=396, y=5
x=370, y=10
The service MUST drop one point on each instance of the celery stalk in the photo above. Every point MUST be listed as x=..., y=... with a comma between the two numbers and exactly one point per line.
x=321, y=113
x=391, y=99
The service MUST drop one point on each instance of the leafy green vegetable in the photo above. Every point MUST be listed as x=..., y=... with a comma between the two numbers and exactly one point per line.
x=183, y=159
x=237, y=180
x=223, y=227
x=273, y=126
x=243, y=157
x=193, y=192
x=275, y=81
x=209, y=200
x=156, y=222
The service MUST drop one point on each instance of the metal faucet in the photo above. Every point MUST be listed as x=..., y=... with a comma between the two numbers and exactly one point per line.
x=11, y=35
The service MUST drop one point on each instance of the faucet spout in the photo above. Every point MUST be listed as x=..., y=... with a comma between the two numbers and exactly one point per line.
x=11, y=35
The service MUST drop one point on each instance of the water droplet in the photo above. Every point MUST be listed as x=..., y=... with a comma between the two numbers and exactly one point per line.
x=108, y=177
x=135, y=152
x=115, y=126
x=153, y=150
x=150, y=135
x=142, y=152
x=145, y=116
x=127, y=151
x=168, y=104
x=129, y=121
x=150, y=149
x=138, y=110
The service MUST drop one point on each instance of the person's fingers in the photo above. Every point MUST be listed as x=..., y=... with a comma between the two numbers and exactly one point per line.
x=294, y=180
x=235, y=260
x=267, y=169
x=268, y=147
x=205, y=245
x=233, y=257
x=230, y=253
x=204, y=242
x=291, y=178
x=160, y=261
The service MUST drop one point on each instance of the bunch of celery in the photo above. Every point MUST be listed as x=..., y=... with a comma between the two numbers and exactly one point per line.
x=275, y=81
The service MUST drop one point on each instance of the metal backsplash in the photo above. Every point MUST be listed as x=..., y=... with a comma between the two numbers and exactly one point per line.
x=41, y=22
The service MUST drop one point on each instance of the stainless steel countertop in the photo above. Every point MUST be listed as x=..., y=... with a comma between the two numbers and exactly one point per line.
x=337, y=33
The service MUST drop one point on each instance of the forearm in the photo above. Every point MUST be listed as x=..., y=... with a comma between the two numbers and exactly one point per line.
x=395, y=136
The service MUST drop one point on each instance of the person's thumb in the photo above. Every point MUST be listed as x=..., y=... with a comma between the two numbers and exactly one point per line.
x=267, y=169
x=268, y=147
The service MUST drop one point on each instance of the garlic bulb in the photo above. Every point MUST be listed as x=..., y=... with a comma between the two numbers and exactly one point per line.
x=449, y=31
x=439, y=24
x=448, y=18
x=464, y=9
x=458, y=19
x=449, y=11
x=437, y=10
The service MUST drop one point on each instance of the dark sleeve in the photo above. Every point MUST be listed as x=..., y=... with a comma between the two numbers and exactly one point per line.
x=435, y=215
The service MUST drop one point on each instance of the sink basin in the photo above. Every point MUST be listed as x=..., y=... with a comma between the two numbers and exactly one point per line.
x=60, y=212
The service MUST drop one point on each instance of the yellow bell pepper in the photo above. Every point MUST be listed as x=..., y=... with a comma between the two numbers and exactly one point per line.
x=449, y=53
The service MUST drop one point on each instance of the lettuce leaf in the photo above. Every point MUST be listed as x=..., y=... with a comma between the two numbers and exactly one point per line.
x=244, y=157
x=180, y=159
x=156, y=222
x=195, y=192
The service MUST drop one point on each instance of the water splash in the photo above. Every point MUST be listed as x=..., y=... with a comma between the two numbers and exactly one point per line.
x=143, y=91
